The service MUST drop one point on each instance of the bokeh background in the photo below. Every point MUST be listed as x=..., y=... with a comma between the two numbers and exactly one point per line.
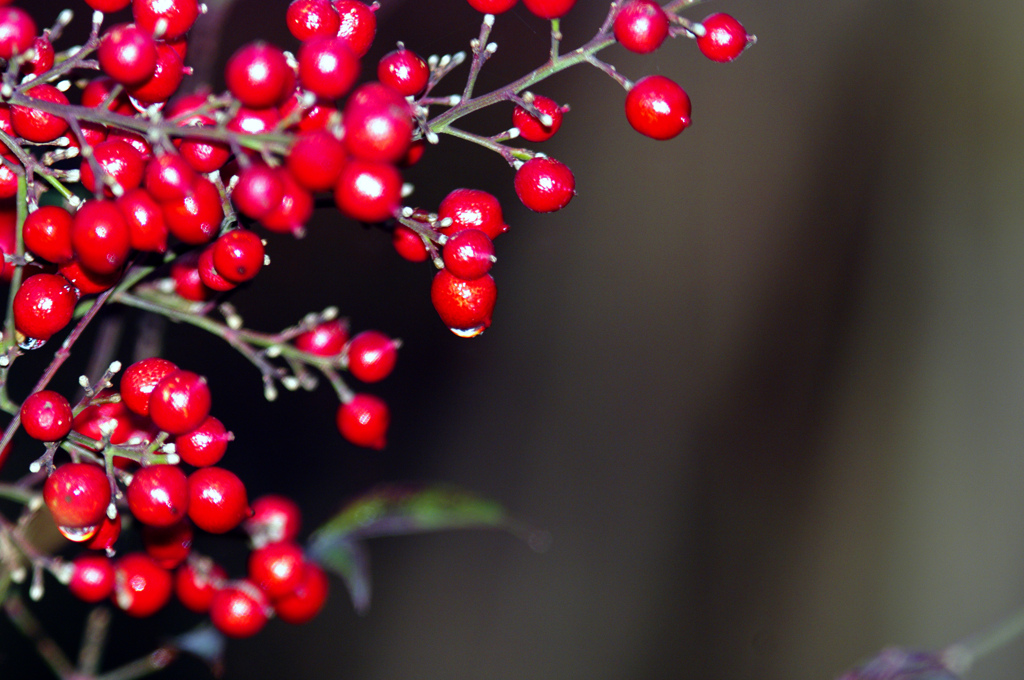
x=761, y=383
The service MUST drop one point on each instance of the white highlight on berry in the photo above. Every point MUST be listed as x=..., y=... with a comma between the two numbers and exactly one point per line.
x=160, y=28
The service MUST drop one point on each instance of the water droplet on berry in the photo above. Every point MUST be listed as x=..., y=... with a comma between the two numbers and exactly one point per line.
x=31, y=343
x=78, y=534
x=468, y=332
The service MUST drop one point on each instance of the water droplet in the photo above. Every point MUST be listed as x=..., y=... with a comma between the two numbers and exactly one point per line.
x=468, y=332
x=31, y=343
x=78, y=534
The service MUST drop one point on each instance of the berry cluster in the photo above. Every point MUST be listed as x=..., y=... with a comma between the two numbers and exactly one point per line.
x=115, y=191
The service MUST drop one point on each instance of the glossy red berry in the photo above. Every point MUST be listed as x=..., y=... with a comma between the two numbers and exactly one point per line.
x=99, y=90
x=724, y=38
x=274, y=519
x=364, y=421
x=254, y=121
x=77, y=495
x=147, y=229
x=197, y=581
x=195, y=218
x=296, y=207
x=112, y=420
x=326, y=339
x=312, y=19
x=86, y=281
x=408, y=244
x=43, y=305
x=368, y=191
x=158, y=495
x=257, y=191
x=641, y=26
x=310, y=117
x=316, y=160
x=175, y=17
x=92, y=577
x=258, y=75
x=42, y=56
x=187, y=281
x=327, y=66
x=378, y=124
x=203, y=155
x=238, y=255
x=217, y=500
x=468, y=254
x=658, y=107
x=141, y=586
x=169, y=177
x=120, y=161
x=47, y=234
x=36, y=125
x=239, y=609
x=534, y=129
x=209, y=275
x=306, y=600
x=492, y=6
x=107, y=534
x=127, y=54
x=358, y=25
x=403, y=71
x=464, y=306
x=46, y=416
x=277, y=568
x=471, y=209
x=100, y=237
x=169, y=546
x=140, y=379
x=166, y=78
x=544, y=184
x=17, y=31
x=371, y=356
x=204, y=445
x=549, y=9
x=180, y=402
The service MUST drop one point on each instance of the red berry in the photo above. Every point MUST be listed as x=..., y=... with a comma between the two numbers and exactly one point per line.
x=468, y=254
x=36, y=125
x=724, y=38
x=43, y=305
x=209, y=275
x=257, y=191
x=43, y=56
x=187, y=281
x=305, y=601
x=471, y=209
x=544, y=184
x=254, y=121
x=145, y=219
x=311, y=117
x=158, y=495
x=368, y=191
x=217, y=500
x=239, y=609
x=127, y=54
x=204, y=445
x=531, y=128
x=358, y=25
x=549, y=9
x=327, y=339
x=277, y=568
x=492, y=6
x=657, y=107
x=196, y=582
x=169, y=177
x=100, y=237
x=294, y=210
x=316, y=160
x=92, y=578
x=139, y=380
x=404, y=71
x=108, y=6
x=47, y=233
x=378, y=124
x=169, y=546
x=464, y=306
x=408, y=244
x=371, y=356
x=141, y=586
x=165, y=79
x=312, y=19
x=114, y=419
x=195, y=218
x=238, y=255
x=180, y=402
x=120, y=161
x=641, y=26
x=86, y=281
x=327, y=67
x=203, y=155
x=17, y=31
x=77, y=495
x=258, y=75
x=364, y=421
x=106, y=536
x=46, y=416
x=177, y=15
x=274, y=519
x=99, y=90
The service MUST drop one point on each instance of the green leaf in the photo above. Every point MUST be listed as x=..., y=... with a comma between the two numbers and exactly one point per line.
x=391, y=510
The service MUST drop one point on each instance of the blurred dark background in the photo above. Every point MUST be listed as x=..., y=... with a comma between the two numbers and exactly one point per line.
x=762, y=383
